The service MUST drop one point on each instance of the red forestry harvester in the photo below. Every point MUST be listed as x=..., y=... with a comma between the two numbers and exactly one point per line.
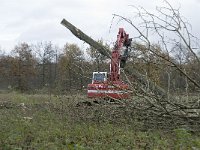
x=110, y=85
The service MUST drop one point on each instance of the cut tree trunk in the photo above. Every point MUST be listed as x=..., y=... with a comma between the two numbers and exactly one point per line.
x=82, y=36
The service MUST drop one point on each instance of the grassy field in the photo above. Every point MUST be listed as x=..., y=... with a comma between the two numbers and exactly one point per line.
x=66, y=122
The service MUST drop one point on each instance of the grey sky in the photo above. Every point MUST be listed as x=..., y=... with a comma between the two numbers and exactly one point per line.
x=33, y=21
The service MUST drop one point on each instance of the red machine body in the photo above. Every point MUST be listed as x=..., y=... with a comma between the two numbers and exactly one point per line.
x=110, y=85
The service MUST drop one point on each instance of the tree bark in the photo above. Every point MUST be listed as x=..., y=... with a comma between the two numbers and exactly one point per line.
x=82, y=36
x=106, y=52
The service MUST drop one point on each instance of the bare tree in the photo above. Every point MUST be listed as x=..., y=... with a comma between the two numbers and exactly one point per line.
x=47, y=54
x=169, y=28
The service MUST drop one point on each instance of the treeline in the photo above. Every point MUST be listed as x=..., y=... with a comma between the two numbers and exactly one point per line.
x=68, y=69
x=44, y=65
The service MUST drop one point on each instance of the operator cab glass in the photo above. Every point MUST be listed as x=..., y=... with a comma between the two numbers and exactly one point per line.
x=99, y=77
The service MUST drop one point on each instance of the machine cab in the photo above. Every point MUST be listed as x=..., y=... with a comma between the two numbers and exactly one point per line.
x=99, y=77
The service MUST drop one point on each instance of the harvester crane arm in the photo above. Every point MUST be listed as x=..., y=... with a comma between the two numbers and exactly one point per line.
x=118, y=59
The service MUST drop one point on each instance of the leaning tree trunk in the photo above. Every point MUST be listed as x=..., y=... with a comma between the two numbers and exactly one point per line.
x=106, y=52
x=82, y=36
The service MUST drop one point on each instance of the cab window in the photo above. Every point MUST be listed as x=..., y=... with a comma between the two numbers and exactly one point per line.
x=99, y=77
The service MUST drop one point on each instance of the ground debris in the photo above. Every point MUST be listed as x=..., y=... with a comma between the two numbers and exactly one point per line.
x=84, y=103
x=6, y=104
x=143, y=114
x=131, y=112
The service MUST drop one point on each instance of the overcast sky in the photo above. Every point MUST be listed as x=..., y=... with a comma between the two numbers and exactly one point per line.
x=33, y=21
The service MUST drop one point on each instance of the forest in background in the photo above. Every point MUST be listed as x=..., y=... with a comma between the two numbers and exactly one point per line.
x=30, y=68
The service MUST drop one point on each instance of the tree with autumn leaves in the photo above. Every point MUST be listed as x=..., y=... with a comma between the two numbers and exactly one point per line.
x=20, y=67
